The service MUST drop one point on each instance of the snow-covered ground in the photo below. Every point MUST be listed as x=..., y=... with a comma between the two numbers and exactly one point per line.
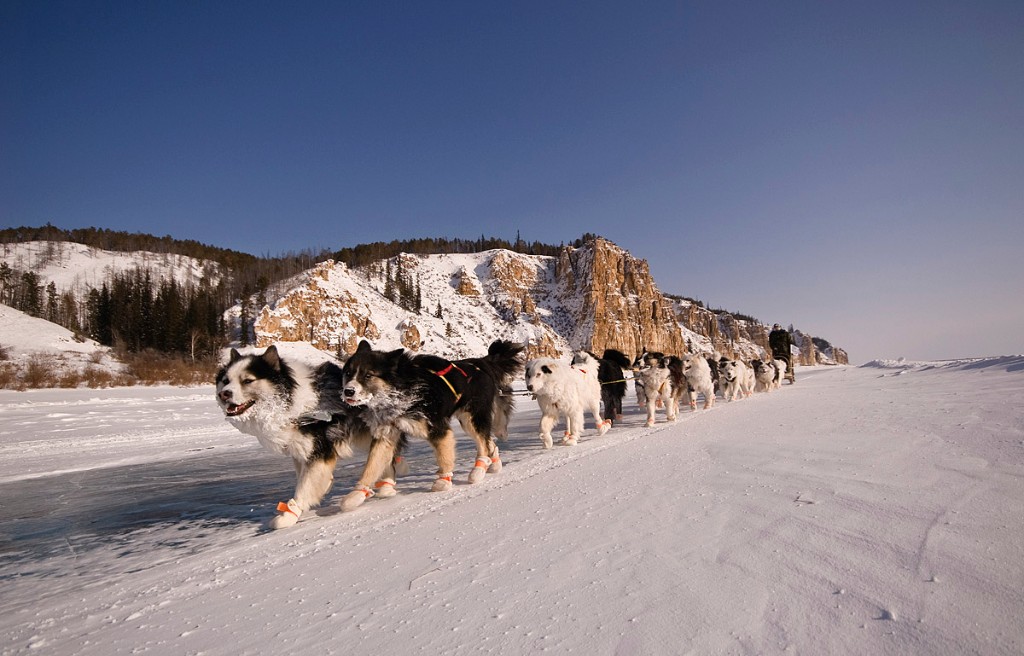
x=76, y=268
x=863, y=510
x=25, y=338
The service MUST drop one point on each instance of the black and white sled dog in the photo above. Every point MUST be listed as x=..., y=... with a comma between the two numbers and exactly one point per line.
x=764, y=376
x=612, y=376
x=394, y=392
x=566, y=389
x=699, y=380
x=661, y=378
x=296, y=411
x=736, y=379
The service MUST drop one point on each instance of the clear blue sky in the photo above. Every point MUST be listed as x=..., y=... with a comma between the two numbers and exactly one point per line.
x=853, y=168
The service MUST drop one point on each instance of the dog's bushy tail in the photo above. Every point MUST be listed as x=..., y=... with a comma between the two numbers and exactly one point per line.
x=618, y=357
x=675, y=370
x=505, y=359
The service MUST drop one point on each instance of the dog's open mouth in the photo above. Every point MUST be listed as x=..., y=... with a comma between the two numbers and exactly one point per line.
x=233, y=409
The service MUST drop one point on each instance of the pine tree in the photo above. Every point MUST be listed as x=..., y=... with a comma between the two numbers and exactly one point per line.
x=262, y=283
x=104, y=315
x=244, y=318
x=30, y=294
x=389, y=284
x=52, y=303
x=6, y=284
x=68, y=313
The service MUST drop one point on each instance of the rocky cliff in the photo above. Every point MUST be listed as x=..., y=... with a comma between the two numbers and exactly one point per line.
x=594, y=297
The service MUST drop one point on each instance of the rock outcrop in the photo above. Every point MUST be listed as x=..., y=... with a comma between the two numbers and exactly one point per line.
x=326, y=318
x=593, y=297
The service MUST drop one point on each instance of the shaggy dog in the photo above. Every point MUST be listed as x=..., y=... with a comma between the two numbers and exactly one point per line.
x=661, y=378
x=638, y=365
x=295, y=411
x=768, y=375
x=764, y=375
x=395, y=393
x=737, y=379
x=713, y=366
x=697, y=372
x=561, y=389
x=612, y=376
x=780, y=372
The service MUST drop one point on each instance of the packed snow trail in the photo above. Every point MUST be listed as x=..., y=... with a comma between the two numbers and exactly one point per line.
x=856, y=511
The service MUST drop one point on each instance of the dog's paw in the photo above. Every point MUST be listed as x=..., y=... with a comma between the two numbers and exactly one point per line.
x=495, y=462
x=483, y=463
x=650, y=423
x=570, y=440
x=442, y=484
x=289, y=515
x=355, y=498
x=284, y=520
x=385, y=488
x=546, y=439
x=401, y=466
x=603, y=427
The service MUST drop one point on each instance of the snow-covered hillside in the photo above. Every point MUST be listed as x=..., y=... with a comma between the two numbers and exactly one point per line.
x=26, y=338
x=77, y=268
x=871, y=510
x=332, y=304
x=595, y=296
x=552, y=304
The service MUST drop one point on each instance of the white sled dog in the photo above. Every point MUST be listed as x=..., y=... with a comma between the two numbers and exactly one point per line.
x=296, y=411
x=764, y=375
x=697, y=372
x=564, y=389
x=780, y=372
x=736, y=379
x=661, y=378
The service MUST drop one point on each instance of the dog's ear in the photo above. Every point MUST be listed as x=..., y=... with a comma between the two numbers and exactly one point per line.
x=363, y=346
x=392, y=358
x=272, y=357
x=235, y=356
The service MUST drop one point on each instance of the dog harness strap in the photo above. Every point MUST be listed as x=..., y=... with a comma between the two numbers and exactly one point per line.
x=457, y=395
x=285, y=508
x=447, y=370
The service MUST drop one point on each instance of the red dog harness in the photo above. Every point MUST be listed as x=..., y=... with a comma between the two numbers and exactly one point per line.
x=447, y=370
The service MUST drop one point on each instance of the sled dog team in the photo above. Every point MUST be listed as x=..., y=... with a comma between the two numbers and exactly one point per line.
x=377, y=399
